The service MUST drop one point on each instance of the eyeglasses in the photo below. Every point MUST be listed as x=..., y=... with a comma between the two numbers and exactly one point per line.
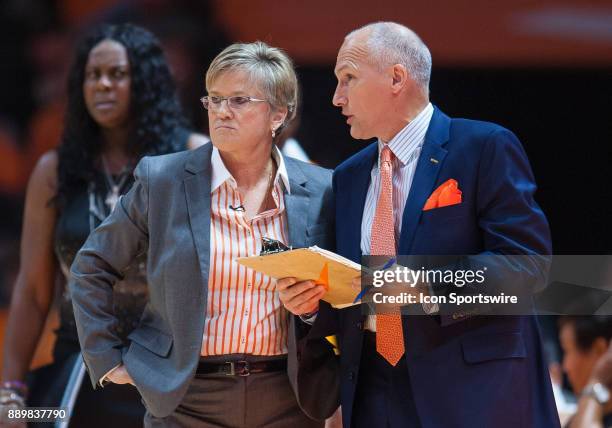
x=235, y=102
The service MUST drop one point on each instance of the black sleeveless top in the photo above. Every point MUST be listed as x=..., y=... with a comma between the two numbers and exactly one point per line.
x=83, y=212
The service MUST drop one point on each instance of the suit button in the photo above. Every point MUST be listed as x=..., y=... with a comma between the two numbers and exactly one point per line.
x=359, y=325
x=351, y=376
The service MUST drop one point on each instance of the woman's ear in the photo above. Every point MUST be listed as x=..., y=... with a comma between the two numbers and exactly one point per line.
x=278, y=117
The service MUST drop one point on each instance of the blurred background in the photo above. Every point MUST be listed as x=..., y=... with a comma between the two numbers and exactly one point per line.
x=540, y=68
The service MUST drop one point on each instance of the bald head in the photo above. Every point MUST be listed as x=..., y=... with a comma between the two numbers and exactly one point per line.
x=389, y=43
x=383, y=79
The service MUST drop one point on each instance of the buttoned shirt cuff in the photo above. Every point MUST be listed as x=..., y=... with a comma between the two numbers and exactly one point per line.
x=104, y=379
x=309, y=318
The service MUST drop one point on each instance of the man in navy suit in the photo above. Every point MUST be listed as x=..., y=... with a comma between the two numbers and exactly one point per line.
x=455, y=368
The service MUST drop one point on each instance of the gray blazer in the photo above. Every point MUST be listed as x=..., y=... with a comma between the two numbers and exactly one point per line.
x=167, y=214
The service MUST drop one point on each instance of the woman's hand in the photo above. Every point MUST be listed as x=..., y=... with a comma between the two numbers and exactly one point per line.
x=120, y=376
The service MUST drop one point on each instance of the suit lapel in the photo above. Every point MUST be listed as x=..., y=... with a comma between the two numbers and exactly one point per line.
x=425, y=177
x=296, y=204
x=197, y=192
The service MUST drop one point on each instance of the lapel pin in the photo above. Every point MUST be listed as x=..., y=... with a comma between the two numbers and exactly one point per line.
x=432, y=160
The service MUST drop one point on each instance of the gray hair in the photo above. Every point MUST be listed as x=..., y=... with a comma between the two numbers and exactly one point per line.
x=268, y=67
x=390, y=43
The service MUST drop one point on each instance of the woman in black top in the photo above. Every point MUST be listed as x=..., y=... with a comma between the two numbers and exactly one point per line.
x=121, y=106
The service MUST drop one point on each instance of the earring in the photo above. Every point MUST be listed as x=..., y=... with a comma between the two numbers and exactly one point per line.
x=273, y=133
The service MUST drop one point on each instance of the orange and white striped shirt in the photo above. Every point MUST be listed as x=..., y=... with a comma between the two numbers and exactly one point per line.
x=244, y=314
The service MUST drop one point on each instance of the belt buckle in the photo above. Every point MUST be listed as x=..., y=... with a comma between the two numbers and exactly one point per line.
x=239, y=368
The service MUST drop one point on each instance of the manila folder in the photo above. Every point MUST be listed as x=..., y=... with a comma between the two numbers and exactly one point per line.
x=314, y=263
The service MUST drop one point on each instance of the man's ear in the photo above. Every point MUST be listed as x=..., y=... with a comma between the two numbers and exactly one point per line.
x=600, y=346
x=400, y=78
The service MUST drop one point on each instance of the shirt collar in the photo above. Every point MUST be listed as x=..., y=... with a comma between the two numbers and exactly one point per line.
x=220, y=173
x=410, y=137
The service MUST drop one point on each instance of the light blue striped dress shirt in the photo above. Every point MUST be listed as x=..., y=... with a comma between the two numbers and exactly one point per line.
x=406, y=147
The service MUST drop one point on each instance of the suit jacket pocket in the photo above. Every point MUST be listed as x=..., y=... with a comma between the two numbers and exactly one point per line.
x=152, y=339
x=445, y=214
x=489, y=347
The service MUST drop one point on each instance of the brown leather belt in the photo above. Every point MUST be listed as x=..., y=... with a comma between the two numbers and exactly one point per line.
x=242, y=368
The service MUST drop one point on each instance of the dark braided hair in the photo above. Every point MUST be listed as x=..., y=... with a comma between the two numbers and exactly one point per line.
x=155, y=112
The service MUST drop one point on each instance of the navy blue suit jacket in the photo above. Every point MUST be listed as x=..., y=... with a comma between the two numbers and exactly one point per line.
x=465, y=370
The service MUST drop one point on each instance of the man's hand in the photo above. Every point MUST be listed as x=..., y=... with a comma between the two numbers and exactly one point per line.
x=389, y=288
x=602, y=372
x=300, y=298
x=120, y=376
x=590, y=412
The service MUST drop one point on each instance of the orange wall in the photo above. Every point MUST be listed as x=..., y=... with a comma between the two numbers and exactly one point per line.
x=458, y=32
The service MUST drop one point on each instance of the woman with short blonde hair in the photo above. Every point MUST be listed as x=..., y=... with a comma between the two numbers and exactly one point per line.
x=219, y=330
x=270, y=67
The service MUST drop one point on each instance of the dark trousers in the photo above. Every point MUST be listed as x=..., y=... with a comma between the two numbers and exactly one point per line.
x=218, y=400
x=384, y=396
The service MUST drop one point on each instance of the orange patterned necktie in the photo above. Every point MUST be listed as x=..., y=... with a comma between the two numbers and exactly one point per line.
x=389, y=336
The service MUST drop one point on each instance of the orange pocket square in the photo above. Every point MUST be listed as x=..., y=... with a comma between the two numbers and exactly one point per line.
x=446, y=194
